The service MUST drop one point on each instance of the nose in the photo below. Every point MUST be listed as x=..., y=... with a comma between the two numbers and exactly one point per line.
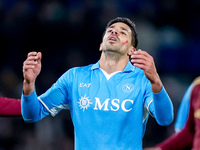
x=114, y=32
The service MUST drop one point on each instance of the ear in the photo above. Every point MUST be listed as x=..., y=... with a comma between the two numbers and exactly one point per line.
x=131, y=50
x=134, y=49
x=100, y=48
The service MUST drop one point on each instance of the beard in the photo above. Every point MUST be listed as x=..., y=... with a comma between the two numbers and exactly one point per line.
x=111, y=47
x=112, y=52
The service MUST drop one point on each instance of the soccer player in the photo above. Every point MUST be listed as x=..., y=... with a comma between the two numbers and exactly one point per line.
x=188, y=138
x=183, y=110
x=110, y=100
x=10, y=106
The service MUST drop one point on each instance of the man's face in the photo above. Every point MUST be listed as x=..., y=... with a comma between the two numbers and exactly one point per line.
x=117, y=38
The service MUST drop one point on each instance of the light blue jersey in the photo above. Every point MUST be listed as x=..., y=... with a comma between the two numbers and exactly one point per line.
x=183, y=110
x=107, y=114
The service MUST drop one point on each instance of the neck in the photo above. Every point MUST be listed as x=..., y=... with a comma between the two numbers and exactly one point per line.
x=112, y=63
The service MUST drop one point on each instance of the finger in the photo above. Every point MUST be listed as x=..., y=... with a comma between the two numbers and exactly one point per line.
x=31, y=54
x=138, y=61
x=138, y=56
x=29, y=62
x=27, y=67
x=140, y=52
x=32, y=58
x=39, y=57
x=142, y=55
x=141, y=66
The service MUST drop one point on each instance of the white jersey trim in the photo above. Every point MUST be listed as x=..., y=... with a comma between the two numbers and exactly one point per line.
x=108, y=76
x=146, y=111
x=53, y=111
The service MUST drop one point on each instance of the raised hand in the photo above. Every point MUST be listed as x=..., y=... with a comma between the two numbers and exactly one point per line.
x=31, y=69
x=145, y=62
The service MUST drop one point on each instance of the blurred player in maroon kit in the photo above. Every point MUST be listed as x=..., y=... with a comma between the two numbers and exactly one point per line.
x=189, y=137
x=10, y=107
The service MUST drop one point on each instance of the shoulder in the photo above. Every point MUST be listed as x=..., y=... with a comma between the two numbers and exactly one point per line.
x=78, y=71
x=196, y=85
x=81, y=69
x=196, y=89
x=195, y=93
x=73, y=74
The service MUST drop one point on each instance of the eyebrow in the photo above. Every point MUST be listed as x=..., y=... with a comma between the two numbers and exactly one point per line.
x=112, y=26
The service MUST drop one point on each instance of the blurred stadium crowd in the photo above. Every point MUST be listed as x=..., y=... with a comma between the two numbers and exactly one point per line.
x=69, y=33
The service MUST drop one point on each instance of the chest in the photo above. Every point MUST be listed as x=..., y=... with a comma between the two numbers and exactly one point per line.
x=118, y=94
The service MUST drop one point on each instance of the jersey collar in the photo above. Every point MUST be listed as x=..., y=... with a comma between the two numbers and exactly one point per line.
x=129, y=67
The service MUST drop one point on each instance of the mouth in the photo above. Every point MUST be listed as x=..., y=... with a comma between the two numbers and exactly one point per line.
x=112, y=38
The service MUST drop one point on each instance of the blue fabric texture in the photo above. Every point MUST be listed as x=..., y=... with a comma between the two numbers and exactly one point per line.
x=107, y=114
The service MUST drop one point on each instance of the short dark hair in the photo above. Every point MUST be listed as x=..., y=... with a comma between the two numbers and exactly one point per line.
x=128, y=22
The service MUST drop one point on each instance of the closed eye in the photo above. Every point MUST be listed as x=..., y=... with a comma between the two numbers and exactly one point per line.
x=123, y=33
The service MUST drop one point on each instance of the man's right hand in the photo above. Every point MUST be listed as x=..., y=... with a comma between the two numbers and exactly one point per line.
x=31, y=69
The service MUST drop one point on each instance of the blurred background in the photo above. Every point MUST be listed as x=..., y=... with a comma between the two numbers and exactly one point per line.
x=69, y=33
